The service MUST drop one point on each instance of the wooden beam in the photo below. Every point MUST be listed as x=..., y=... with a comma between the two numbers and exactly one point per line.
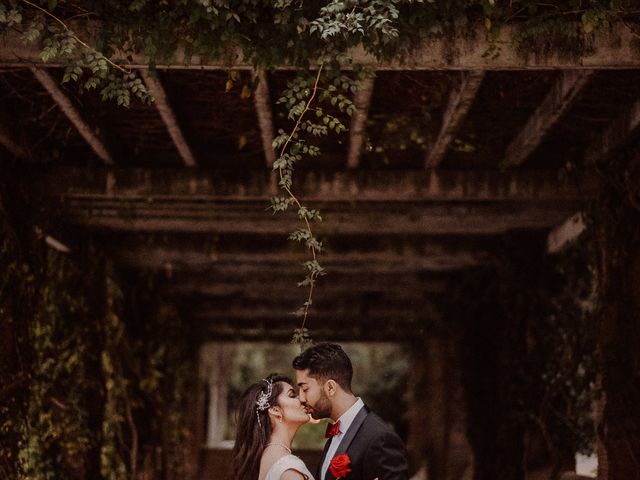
x=168, y=117
x=558, y=101
x=359, y=324
x=460, y=102
x=262, y=104
x=322, y=303
x=361, y=100
x=8, y=141
x=160, y=185
x=209, y=283
x=387, y=285
x=399, y=218
x=253, y=314
x=614, y=136
x=72, y=113
x=382, y=262
x=568, y=232
x=613, y=48
x=344, y=329
x=56, y=244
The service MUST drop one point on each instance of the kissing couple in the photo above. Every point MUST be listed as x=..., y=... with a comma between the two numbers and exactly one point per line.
x=360, y=445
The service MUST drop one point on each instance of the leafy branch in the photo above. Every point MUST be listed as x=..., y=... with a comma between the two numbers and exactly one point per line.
x=284, y=166
x=73, y=35
x=59, y=42
x=302, y=97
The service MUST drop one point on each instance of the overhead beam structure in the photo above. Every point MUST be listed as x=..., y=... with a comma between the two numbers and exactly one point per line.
x=168, y=117
x=380, y=324
x=160, y=185
x=339, y=219
x=380, y=262
x=361, y=100
x=262, y=104
x=407, y=203
x=251, y=312
x=480, y=222
x=558, y=101
x=459, y=104
x=401, y=286
x=615, y=135
x=8, y=141
x=613, y=48
x=73, y=114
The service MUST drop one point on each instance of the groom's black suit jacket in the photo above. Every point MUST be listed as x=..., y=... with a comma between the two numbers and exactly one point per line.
x=374, y=449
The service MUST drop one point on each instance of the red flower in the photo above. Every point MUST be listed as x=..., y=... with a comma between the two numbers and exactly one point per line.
x=340, y=466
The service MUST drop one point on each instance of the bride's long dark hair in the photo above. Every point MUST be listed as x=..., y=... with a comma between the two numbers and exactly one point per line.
x=252, y=436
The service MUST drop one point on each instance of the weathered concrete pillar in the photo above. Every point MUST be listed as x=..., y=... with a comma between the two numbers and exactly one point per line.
x=196, y=428
x=618, y=229
x=438, y=411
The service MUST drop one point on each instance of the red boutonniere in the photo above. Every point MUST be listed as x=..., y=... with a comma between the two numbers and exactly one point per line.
x=340, y=466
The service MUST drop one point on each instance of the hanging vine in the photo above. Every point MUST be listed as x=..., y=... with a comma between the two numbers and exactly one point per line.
x=304, y=97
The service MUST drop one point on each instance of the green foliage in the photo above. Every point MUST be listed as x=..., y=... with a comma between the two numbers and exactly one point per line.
x=270, y=33
x=117, y=403
x=60, y=380
x=17, y=285
x=93, y=396
x=302, y=97
x=120, y=88
x=302, y=338
x=49, y=423
x=374, y=22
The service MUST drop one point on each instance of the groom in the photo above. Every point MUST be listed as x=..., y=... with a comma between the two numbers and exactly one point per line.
x=360, y=445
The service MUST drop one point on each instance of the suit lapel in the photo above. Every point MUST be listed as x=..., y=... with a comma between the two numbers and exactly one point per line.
x=324, y=454
x=347, y=439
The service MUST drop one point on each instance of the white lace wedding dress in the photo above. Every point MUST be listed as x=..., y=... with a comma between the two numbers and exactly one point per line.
x=288, y=462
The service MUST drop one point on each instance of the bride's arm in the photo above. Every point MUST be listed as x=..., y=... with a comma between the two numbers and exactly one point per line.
x=292, y=474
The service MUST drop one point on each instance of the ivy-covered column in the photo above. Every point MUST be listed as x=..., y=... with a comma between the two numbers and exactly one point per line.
x=49, y=320
x=618, y=234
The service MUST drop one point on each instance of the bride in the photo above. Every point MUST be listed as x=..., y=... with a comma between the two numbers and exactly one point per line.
x=269, y=415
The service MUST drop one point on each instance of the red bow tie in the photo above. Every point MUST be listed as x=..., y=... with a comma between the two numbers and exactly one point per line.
x=333, y=429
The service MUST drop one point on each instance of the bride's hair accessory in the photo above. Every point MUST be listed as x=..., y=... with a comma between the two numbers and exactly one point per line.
x=262, y=403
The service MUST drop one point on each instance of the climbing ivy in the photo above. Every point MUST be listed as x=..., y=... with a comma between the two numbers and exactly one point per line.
x=272, y=32
x=84, y=393
x=47, y=306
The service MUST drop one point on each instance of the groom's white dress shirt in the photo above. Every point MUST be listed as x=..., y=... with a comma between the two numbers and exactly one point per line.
x=346, y=419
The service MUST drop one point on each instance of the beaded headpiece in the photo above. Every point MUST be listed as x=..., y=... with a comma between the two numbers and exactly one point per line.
x=262, y=403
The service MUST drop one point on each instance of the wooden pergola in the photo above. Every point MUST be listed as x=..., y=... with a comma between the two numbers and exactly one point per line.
x=185, y=182
x=453, y=149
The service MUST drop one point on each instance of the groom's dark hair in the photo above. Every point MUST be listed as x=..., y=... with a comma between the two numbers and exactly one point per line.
x=326, y=361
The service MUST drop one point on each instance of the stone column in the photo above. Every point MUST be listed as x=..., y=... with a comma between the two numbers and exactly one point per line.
x=438, y=410
x=618, y=230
